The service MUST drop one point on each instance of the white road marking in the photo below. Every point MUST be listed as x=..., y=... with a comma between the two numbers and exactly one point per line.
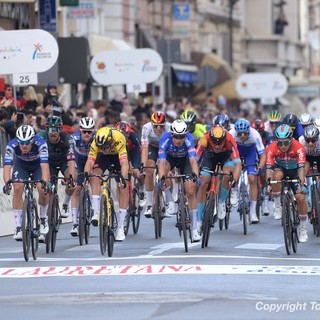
x=116, y=270
x=167, y=246
x=260, y=246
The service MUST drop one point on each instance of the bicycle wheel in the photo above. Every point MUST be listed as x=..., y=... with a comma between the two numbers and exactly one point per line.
x=127, y=219
x=137, y=213
x=286, y=224
x=112, y=225
x=243, y=208
x=294, y=228
x=35, y=231
x=183, y=220
x=26, y=232
x=103, y=227
x=88, y=216
x=82, y=217
x=315, y=212
x=156, y=213
x=51, y=222
x=259, y=204
x=55, y=222
x=228, y=210
x=207, y=219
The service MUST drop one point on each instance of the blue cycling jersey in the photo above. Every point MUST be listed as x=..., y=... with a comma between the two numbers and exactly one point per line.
x=81, y=148
x=38, y=153
x=166, y=147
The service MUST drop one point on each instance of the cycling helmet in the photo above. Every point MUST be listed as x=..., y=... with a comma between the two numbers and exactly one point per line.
x=218, y=134
x=258, y=124
x=316, y=121
x=124, y=127
x=178, y=127
x=274, y=116
x=242, y=125
x=283, y=131
x=103, y=137
x=158, y=117
x=291, y=120
x=222, y=120
x=87, y=123
x=189, y=117
x=54, y=122
x=311, y=132
x=305, y=119
x=25, y=134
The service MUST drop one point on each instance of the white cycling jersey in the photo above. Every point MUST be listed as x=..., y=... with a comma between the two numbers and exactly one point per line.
x=148, y=136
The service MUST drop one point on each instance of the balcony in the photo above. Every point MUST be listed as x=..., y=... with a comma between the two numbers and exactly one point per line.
x=217, y=12
x=272, y=53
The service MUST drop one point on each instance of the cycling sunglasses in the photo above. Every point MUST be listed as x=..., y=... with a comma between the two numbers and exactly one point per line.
x=158, y=126
x=25, y=143
x=53, y=130
x=242, y=134
x=311, y=140
x=87, y=131
x=179, y=136
x=284, y=143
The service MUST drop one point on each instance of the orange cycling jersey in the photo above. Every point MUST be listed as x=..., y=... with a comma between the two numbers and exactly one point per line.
x=294, y=158
x=229, y=145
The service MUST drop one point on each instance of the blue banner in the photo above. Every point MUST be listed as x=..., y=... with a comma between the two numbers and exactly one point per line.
x=48, y=15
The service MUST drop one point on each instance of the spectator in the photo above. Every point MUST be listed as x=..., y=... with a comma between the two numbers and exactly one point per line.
x=6, y=124
x=29, y=99
x=280, y=23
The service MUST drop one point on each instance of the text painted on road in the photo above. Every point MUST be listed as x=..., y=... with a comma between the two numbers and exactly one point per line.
x=156, y=270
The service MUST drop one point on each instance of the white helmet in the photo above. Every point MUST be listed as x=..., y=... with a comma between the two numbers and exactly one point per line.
x=305, y=119
x=316, y=122
x=25, y=134
x=179, y=127
x=87, y=123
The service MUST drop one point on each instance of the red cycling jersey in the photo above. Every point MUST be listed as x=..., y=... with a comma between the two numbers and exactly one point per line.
x=294, y=158
x=229, y=145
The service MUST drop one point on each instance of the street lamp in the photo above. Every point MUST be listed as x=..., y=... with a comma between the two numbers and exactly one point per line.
x=230, y=25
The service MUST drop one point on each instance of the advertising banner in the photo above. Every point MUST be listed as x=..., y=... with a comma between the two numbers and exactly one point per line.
x=126, y=67
x=27, y=51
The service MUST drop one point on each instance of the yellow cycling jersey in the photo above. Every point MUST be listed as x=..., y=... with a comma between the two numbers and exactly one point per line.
x=118, y=145
x=199, y=131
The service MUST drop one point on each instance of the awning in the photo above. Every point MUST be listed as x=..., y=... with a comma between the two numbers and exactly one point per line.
x=100, y=43
x=185, y=74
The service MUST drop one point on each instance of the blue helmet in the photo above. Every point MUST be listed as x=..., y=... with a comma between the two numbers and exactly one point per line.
x=283, y=131
x=222, y=120
x=242, y=125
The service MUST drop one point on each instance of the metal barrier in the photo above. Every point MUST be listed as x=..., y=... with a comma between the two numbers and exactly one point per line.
x=4, y=139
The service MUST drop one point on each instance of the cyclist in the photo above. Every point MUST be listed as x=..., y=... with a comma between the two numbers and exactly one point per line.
x=286, y=157
x=274, y=118
x=196, y=129
x=26, y=154
x=292, y=121
x=134, y=151
x=316, y=122
x=222, y=120
x=266, y=140
x=311, y=142
x=150, y=137
x=109, y=148
x=217, y=146
x=177, y=148
x=61, y=156
x=82, y=142
x=305, y=120
x=250, y=144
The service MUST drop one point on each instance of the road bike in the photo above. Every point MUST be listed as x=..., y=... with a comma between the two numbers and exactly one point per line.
x=54, y=212
x=108, y=222
x=158, y=205
x=211, y=207
x=134, y=210
x=30, y=219
x=85, y=213
x=314, y=200
x=183, y=216
x=290, y=219
x=243, y=197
